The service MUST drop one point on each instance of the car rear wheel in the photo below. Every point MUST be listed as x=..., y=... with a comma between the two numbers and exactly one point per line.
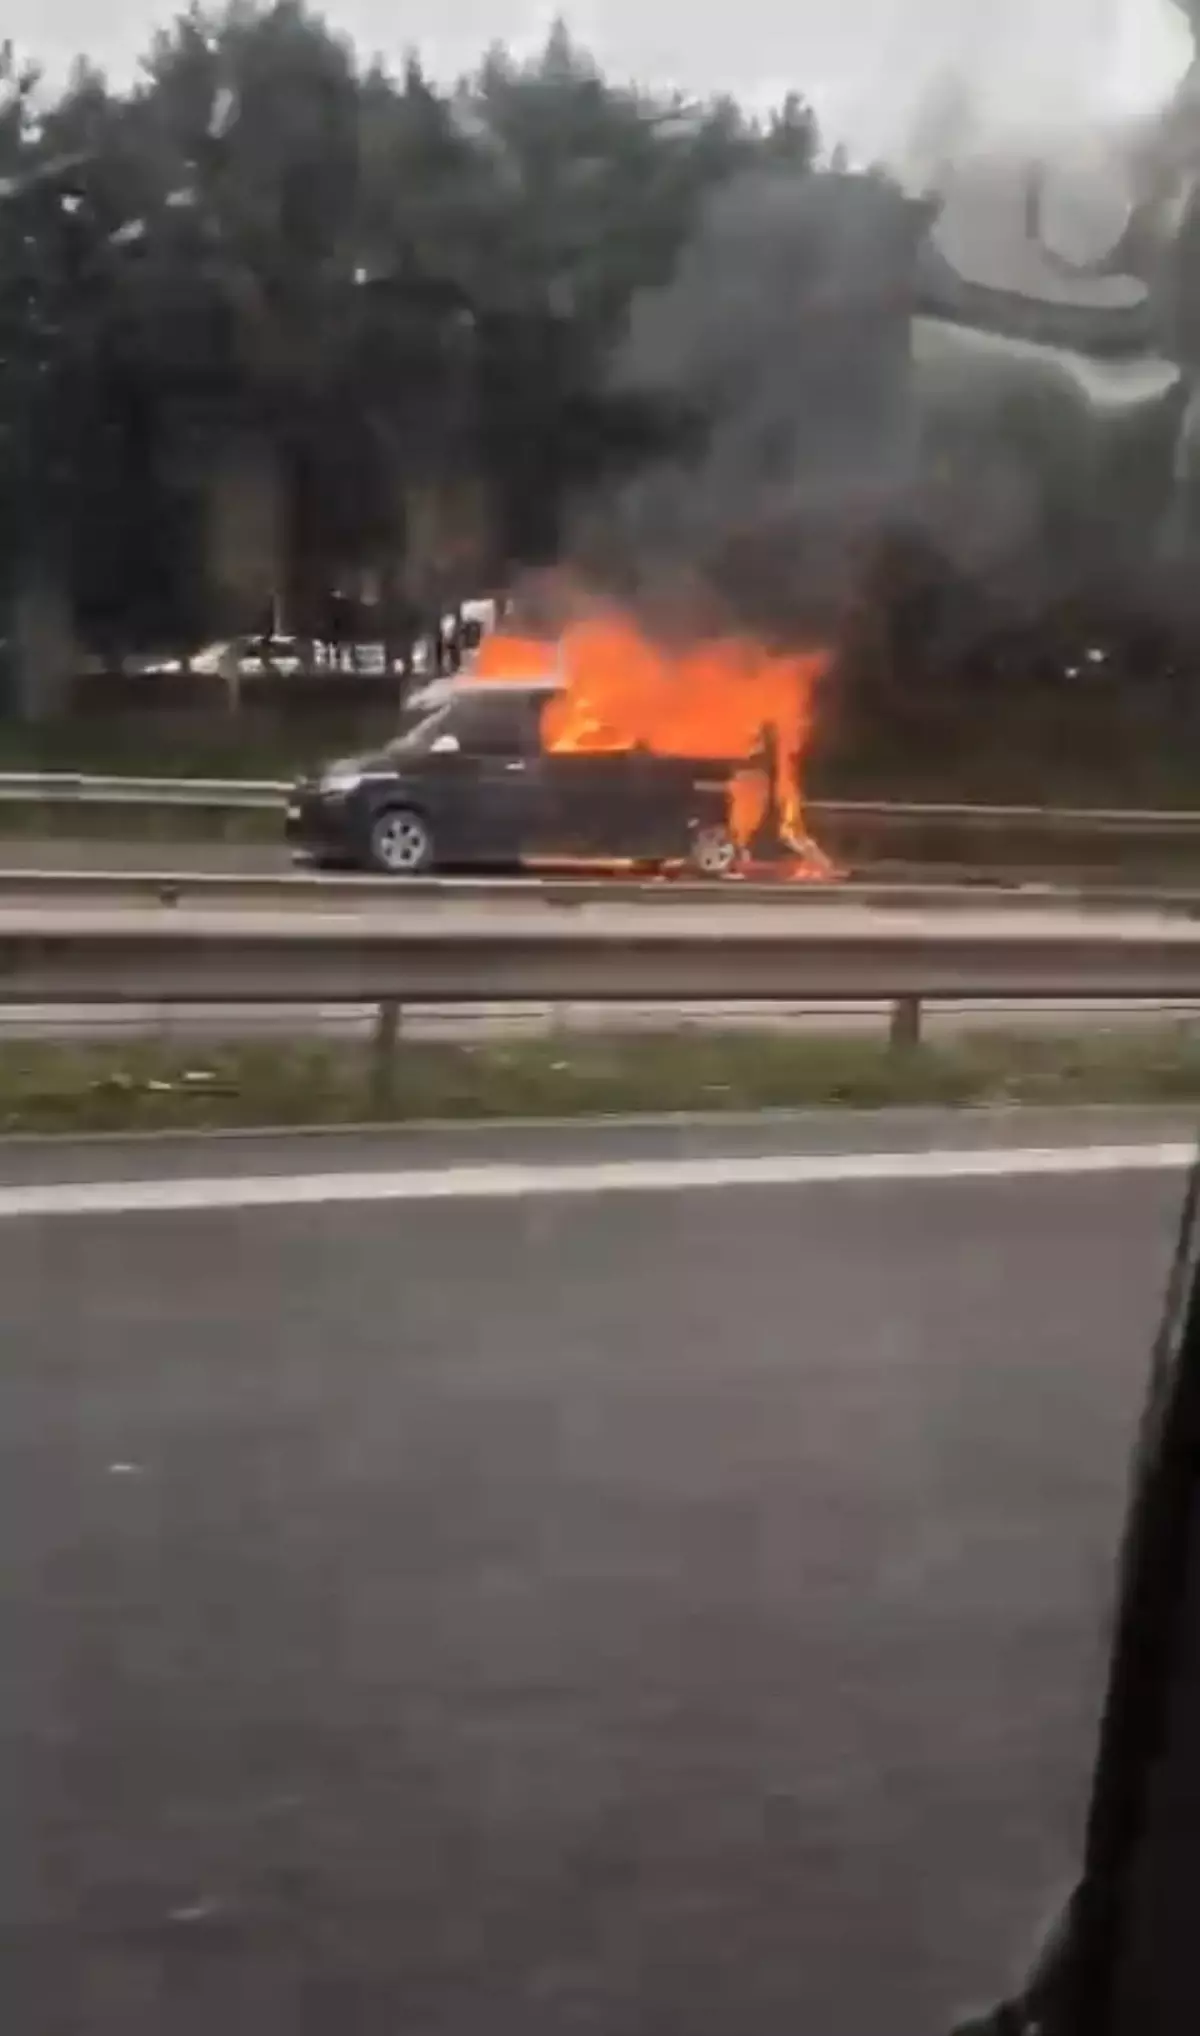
x=714, y=852
x=401, y=843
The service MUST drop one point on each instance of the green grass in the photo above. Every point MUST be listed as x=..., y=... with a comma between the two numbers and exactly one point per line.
x=153, y=1085
x=70, y=821
x=67, y=821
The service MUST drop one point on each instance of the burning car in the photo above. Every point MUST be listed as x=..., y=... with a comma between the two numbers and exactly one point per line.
x=745, y=707
x=472, y=781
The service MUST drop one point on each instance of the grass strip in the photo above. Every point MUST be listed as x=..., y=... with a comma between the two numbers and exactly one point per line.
x=67, y=820
x=158, y=1085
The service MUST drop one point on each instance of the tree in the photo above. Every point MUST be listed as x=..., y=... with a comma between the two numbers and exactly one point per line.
x=603, y=185
x=271, y=318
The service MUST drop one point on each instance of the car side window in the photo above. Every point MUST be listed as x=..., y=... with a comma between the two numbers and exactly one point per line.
x=498, y=727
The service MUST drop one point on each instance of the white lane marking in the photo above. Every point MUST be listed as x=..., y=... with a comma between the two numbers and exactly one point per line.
x=601, y=1177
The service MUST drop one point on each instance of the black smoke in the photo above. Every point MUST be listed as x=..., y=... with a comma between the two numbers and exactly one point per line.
x=847, y=387
x=782, y=342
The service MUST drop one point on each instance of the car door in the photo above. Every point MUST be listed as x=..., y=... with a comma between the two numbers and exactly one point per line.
x=580, y=821
x=501, y=777
x=616, y=806
x=636, y=808
x=667, y=797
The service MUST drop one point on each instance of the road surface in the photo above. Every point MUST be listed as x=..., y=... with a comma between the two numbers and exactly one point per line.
x=438, y=1597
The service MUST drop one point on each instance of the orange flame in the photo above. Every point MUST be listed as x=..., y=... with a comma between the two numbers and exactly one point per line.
x=727, y=699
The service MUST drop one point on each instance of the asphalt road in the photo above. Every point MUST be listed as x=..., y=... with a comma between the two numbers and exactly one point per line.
x=664, y=1613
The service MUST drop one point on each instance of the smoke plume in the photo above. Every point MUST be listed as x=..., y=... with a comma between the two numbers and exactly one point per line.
x=784, y=333
x=787, y=333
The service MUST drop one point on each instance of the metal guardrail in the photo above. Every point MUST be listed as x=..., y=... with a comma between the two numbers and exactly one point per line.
x=73, y=787
x=521, y=956
x=1067, y=819
x=267, y=793
x=78, y=789
x=893, y=841
x=327, y=892
x=511, y=954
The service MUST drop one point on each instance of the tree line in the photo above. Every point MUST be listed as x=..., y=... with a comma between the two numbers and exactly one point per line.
x=277, y=323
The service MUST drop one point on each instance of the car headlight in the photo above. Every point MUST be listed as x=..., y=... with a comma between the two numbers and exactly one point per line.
x=340, y=780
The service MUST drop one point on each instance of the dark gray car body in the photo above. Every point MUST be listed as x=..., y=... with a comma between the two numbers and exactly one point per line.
x=499, y=799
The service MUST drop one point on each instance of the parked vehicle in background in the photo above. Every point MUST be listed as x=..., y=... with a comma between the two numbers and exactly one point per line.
x=286, y=656
x=443, y=648
x=467, y=783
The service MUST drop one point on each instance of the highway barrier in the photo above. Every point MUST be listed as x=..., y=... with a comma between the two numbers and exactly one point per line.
x=97, y=789
x=521, y=954
x=325, y=892
x=896, y=838
x=74, y=788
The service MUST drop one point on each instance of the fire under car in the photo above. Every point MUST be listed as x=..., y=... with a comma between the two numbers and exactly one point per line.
x=467, y=784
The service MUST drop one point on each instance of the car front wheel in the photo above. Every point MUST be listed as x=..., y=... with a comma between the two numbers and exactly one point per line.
x=401, y=843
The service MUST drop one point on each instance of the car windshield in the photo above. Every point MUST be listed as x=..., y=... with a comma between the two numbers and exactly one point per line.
x=487, y=719
x=420, y=728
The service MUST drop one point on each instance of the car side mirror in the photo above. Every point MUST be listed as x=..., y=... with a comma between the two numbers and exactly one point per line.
x=444, y=745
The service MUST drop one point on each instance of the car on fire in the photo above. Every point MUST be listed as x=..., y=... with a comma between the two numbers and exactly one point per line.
x=467, y=783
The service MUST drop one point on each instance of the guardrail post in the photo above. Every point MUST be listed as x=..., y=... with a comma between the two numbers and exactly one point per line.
x=904, y=1029
x=383, y=1053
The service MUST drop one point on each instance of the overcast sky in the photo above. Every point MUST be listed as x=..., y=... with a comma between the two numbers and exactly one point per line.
x=864, y=62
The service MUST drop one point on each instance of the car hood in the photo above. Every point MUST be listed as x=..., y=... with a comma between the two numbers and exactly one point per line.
x=350, y=766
